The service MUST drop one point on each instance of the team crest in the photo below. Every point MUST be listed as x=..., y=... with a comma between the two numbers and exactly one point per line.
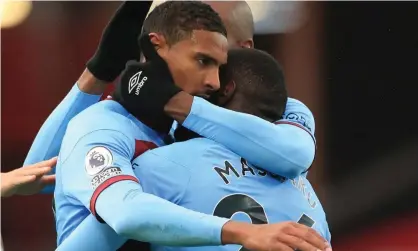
x=298, y=119
x=97, y=159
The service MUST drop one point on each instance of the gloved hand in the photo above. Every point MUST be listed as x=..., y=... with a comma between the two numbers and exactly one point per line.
x=145, y=88
x=119, y=42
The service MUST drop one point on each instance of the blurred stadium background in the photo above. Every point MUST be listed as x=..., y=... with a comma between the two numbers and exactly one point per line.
x=352, y=63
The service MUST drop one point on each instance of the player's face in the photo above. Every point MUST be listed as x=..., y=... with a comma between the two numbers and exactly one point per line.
x=194, y=62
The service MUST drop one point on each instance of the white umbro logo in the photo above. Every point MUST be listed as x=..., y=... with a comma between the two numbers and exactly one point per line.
x=136, y=81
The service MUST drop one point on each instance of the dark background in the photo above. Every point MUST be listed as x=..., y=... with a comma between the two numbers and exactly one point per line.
x=353, y=63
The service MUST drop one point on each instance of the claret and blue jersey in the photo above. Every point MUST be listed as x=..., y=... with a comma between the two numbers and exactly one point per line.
x=204, y=176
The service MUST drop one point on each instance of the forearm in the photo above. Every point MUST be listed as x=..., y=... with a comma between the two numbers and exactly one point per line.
x=281, y=149
x=179, y=106
x=103, y=237
x=89, y=84
x=100, y=237
x=145, y=217
x=48, y=140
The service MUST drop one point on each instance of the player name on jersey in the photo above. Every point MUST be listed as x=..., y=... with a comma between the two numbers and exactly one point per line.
x=228, y=170
x=299, y=183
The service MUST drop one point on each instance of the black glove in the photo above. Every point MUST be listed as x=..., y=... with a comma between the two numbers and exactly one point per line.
x=145, y=88
x=182, y=134
x=119, y=42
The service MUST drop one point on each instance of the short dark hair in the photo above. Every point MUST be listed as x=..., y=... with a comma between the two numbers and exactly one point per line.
x=177, y=19
x=259, y=80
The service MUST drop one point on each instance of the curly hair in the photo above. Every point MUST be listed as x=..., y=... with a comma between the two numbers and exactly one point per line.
x=260, y=81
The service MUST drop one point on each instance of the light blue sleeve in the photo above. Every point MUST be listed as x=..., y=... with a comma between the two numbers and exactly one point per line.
x=137, y=215
x=86, y=167
x=133, y=214
x=92, y=235
x=282, y=149
x=100, y=163
x=93, y=163
x=49, y=138
x=298, y=115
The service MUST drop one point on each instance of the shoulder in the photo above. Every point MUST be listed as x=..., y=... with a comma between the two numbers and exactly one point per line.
x=191, y=152
x=99, y=125
x=182, y=149
x=100, y=117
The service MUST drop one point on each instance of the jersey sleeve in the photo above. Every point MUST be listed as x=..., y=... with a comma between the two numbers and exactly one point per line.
x=47, y=142
x=97, y=161
x=132, y=214
x=92, y=235
x=98, y=172
x=286, y=150
x=298, y=117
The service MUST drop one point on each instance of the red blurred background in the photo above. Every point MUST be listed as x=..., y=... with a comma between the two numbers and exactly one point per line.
x=352, y=63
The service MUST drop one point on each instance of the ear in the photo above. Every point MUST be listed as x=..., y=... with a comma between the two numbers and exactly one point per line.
x=247, y=44
x=227, y=93
x=142, y=58
x=159, y=42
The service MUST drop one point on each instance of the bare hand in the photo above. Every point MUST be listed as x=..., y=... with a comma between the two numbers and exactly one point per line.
x=285, y=236
x=27, y=180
